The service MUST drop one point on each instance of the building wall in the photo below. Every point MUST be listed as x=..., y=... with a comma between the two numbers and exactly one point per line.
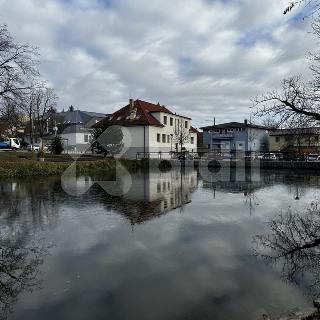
x=134, y=137
x=258, y=140
x=253, y=139
x=75, y=142
x=306, y=144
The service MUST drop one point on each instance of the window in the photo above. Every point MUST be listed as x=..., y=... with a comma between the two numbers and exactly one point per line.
x=277, y=139
x=316, y=138
x=186, y=124
x=171, y=122
x=165, y=119
x=159, y=187
x=158, y=137
x=229, y=130
x=192, y=140
x=168, y=138
x=164, y=138
x=86, y=138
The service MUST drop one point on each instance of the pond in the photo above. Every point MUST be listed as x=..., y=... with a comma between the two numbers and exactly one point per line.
x=178, y=244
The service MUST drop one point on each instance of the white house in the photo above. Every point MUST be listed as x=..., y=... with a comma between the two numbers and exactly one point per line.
x=153, y=130
x=74, y=128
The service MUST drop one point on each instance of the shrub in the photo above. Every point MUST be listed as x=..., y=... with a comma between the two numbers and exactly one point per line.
x=57, y=146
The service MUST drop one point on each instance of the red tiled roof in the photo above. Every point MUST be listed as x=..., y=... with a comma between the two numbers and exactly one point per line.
x=193, y=130
x=143, y=114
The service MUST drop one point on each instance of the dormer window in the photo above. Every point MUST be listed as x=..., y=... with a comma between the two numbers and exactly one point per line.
x=164, y=119
x=186, y=124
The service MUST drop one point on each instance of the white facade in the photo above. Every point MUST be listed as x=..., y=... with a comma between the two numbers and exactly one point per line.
x=170, y=190
x=155, y=139
x=77, y=142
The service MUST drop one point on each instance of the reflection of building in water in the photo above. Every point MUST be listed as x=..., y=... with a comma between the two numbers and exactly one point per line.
x=248, y=182
x=235, y=181
x=154, y=193
x=229, y=180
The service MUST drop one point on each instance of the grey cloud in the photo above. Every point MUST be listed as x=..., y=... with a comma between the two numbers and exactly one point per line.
x=192, y=56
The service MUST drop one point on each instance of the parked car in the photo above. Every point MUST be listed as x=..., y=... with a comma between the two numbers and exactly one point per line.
x=270, y=156
x=250, y=157
x=279, y=156
x=36, y=147
x=227, y=156
x=10, y=144
x=312, y=157
x=185, y=156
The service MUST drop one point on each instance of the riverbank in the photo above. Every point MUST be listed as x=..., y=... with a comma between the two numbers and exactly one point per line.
x=19, y=164
x=33, y=168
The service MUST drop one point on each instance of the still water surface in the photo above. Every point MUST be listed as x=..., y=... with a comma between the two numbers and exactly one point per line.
x=174, y=247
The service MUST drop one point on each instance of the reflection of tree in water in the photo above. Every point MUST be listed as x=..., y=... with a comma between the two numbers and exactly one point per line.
x=20, y=259
x=30, y=205
x=293, y=243
x=25, y=208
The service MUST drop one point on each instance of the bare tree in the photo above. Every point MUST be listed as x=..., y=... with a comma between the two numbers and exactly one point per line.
x=314, y=4
x=22, y=93
x=18, y=63
x=181, y=134
x=11, y=118
x=45, y=103
x=296, y=104
x=37, y=106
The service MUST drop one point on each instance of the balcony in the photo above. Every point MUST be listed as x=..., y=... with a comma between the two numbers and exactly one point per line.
x=222, y=136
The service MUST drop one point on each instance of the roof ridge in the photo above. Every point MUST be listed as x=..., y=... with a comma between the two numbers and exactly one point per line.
x=147, y=113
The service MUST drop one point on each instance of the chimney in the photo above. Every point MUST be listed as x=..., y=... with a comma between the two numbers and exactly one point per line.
x=131, y=103
x=245, y=121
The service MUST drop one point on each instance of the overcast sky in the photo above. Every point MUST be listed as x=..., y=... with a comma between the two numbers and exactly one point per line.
x=202, y=58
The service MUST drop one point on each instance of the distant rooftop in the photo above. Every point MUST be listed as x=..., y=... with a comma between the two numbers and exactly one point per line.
x=76, y=117
x=226, y=125
x=295, y=131
x=139, y=112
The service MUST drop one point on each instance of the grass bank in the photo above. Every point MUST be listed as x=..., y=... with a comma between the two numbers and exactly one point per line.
x=33, y=168
x=20, y=165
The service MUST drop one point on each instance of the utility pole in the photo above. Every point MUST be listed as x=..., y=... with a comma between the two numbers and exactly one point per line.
x=213, y=122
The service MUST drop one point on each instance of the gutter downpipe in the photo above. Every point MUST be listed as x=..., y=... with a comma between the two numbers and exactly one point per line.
x=144, y=142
